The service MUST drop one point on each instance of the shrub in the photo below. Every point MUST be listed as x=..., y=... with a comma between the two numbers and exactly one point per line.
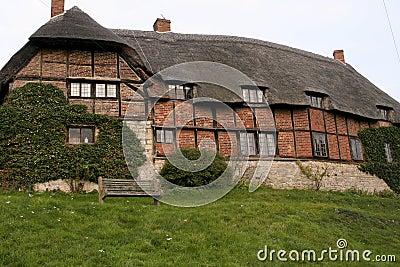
x=185, y=177
x=374, y=140
x=33, y=132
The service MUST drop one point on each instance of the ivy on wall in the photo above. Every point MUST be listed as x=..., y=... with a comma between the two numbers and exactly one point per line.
x=34, y=123
x=374, y=140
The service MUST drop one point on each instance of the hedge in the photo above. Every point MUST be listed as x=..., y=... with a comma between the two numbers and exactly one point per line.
x=34, y=123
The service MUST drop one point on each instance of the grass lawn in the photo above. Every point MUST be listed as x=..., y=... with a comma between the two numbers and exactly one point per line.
x=58, y=229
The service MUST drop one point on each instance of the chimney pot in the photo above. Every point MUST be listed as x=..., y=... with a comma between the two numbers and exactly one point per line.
x=162, y=25
x=339, y=55
x=57, y=7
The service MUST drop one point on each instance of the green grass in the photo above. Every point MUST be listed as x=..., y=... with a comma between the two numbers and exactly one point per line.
x=57, y=229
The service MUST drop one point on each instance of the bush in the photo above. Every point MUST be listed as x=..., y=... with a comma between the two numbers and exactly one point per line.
x=194, y=178
x=374, y=140
x=34, y=122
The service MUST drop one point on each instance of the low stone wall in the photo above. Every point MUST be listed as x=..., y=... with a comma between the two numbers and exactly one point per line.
x=287, y=175
x=339, y=177
x=63, y=185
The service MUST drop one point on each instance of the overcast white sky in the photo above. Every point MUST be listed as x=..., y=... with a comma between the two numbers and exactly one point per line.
x=360, y=27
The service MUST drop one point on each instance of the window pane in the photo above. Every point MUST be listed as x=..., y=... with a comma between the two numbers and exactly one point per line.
x=243, y=144
x=245, y=95
x=169, y=138
x=87, y=136
x=160, y=136
x=179, y=93
x=74, y=136
x=260, y=96
x=111, y=90
x=320, y=149
x=388, y=151
x=251, y=144
x=100, y=90
x=262, y=140
x=86, y=88
x=271, y=144
x=253, y=95
x=75, y=89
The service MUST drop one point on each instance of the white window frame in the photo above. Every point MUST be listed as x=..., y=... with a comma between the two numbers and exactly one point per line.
x=252, y=95
x=177, y=91
x=316, y=101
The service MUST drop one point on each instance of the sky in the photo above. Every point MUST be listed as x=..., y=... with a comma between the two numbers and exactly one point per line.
x=359, y=27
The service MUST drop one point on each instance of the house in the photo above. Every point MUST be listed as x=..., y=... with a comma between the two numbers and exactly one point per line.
x=316, y=105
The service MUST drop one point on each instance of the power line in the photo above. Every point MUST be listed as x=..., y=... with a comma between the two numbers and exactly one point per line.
x=391, y=30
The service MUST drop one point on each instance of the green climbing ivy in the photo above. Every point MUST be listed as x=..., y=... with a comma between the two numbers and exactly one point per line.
x=374, y=140
x=34, y=123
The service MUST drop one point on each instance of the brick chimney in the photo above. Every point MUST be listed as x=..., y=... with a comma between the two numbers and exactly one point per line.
x=162, y=25
x=339, y=55
x=57, y=7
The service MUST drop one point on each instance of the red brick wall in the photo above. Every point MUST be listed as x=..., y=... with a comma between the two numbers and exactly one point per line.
x=317, y=120
x=126, y=72
x=303, y=144
x=204, y=117
x=206, y=140
x=330, y=122
x=163, y=114
x=105, y=65
x=283, y=119
x=186, y=138
x=246, y=116
x=333, y=146
x=265, y=119
x=286, y=144
x=341, y=124
x=54, y=64
x=225, y=117
x=354, y=126
x=164, y=149
x=344, y=147
x=184, y=114
x=301, y=121
x=227, y=143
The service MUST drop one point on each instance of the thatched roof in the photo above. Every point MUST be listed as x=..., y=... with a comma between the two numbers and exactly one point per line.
x=288, y=73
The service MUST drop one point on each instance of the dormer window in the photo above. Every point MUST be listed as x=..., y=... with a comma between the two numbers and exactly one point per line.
x=384, y=112
x=252, y=95
x=180, y=91
x=316, y=101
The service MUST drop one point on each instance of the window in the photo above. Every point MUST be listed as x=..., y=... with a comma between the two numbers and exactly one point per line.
x=384, y=113
x=106, y=90
x=316, y=101
x=267, y=144
x=80, y=135
x=81, y=89
x=320, y=148
x=388, y=151
x=356, y=149
x=165, y=136
x=101, y=90
x=247, y=144
x=252, y=95
x=180, y=91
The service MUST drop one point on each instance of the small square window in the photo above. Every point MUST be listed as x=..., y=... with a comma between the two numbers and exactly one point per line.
x=75, y=89
x=82, y=135
x=316, y=101
x=100, y=90
x=111, y=90
x=86, y=90
x=356, y=149
x=165, y=136
x=320, y=147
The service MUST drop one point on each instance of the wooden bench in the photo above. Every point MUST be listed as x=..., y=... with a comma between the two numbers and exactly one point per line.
x=128, y=188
